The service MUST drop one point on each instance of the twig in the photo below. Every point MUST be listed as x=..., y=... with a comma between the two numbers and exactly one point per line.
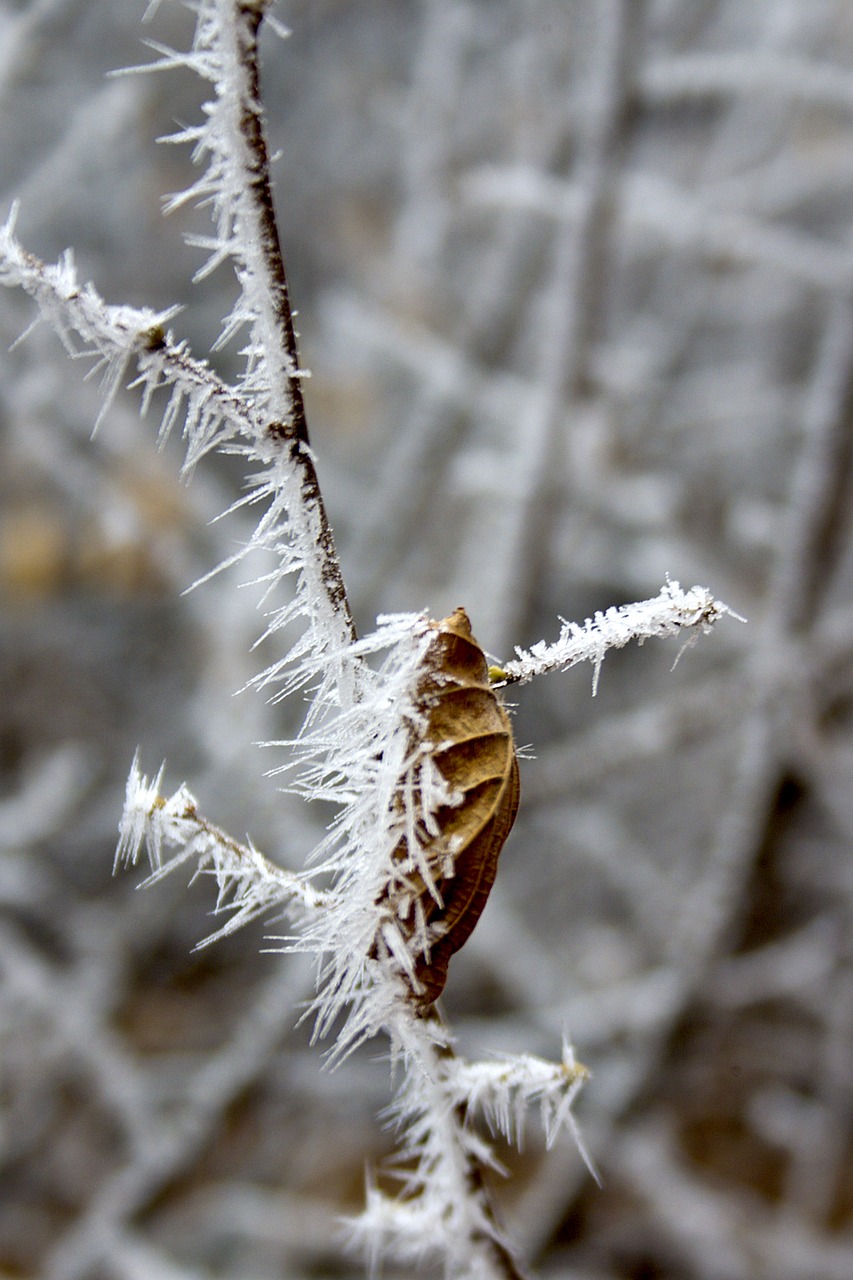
x=254, y=161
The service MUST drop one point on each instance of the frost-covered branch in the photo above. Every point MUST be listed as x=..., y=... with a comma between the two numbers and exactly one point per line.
x=444, y=1212
x=110, y=335
x=371, y=930
x=209, y=411
x=236, y=186
x=211, y=415
x=669, y=613
x=505, y=1089
x=249, y=884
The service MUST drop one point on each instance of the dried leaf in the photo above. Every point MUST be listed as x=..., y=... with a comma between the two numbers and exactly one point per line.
x=471, y=745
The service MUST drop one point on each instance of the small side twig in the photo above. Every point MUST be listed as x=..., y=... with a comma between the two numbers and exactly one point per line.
x=667, y=614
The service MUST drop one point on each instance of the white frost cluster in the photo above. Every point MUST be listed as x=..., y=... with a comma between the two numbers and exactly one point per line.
x=174, y=834
x=111, y=335
x=672, y=611
x=211, y=415
x=368, y=759
x=224, y=186
x=505, y=1090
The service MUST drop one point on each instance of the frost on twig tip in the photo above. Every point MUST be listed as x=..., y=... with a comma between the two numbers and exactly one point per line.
x=672, y=611
x=248, y=883
x=503, y=1090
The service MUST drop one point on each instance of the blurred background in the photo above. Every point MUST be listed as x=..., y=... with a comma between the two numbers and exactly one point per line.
x=575, y=283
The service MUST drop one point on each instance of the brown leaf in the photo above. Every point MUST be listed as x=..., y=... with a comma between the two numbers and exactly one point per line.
x=472, y=746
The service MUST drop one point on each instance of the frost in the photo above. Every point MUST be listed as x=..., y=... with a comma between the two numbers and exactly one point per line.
x=672, y=611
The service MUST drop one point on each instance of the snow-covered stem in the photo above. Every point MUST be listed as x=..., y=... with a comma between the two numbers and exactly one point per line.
x=212, y=415
x=672, y=611
x=444, y=1211
x=503, y=1090
x=236, y=185
x=265, y=293
x=248, y=884
x=111, y=335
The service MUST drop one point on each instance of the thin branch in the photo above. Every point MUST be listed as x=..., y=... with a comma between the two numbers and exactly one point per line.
x=249, y=885
x=504, y=1089
x=446, y=1210
x=236, y=186
x=265, y=282
x=211, y=413
x=258, y=196
x=667, y=614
